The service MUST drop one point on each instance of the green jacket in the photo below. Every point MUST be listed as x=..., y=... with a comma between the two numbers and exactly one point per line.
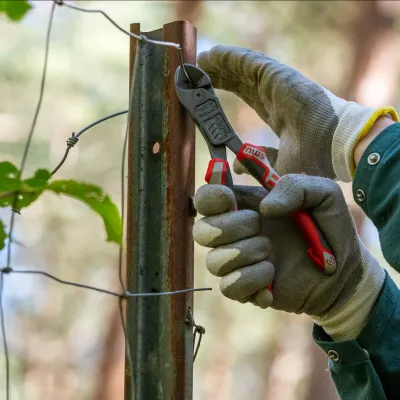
x=368, y=368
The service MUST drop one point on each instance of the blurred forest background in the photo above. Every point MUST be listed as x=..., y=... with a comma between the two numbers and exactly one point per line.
x=66, y=343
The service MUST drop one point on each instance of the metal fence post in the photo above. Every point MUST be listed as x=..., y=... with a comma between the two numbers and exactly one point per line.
x=159, y=242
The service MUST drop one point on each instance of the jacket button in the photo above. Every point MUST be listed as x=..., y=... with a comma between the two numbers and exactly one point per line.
x=333, y=355
x=373, y=158
x=360, y=195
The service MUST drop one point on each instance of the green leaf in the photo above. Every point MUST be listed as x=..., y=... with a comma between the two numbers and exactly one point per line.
x=3, y=235
x=9, y=177
x=94, y=197
x=32, y=188
x=28, y=189
x=9, y=183
x=14, y=9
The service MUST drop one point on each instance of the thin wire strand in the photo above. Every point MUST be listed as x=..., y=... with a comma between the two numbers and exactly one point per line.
x=31, y=131
x=129, y=294
x=14, y=210
x=64, y=282
x=3, y=331
x=137, y=37
x=41, y=92
x=201, y=333
x=100, y=290
x=99, y=121
x=127, y=345
x=60, y=164
x=75, y=137
x=95, y=11
x=120, y=253
x=197, y=329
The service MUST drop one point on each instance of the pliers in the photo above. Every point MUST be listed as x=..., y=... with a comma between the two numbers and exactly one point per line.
x=199, y=98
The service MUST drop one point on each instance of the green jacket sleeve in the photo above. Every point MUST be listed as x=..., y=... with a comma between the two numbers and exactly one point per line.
x=376, y=189
x=368, y=368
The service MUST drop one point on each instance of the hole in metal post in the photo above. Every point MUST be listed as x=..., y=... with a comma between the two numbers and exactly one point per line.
x=156, y=147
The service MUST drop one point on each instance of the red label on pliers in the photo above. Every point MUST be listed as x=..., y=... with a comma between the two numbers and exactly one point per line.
x=255, y=160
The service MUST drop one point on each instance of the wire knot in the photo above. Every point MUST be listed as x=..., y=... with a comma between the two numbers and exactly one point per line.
x=6, y=270
x=72, y=141
x=125, y=295
x=59, y=2
x=143, y=38
x=198, y=329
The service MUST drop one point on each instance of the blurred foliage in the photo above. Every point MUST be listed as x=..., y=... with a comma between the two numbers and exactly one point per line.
x=14, y=9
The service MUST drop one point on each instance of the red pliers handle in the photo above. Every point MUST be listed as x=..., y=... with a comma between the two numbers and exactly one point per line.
x=199, y=98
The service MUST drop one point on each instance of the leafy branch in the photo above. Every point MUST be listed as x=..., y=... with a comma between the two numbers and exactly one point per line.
x=29, y=190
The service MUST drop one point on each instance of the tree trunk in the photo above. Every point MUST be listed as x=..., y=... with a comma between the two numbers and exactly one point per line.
x=111, y=372
x=189, y=10
x=373, y=76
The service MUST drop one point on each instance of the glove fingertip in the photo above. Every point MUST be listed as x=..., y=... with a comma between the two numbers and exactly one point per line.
x=203, y=61
x=205, y=234
x=214, y=199
x=238, y=167
x=264, y=298
x=274, y=206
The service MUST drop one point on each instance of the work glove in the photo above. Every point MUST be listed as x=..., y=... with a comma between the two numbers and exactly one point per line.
x=258, y=246
x=318, y=131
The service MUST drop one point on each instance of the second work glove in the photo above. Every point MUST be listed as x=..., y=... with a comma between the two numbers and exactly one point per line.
x=318, y=131
x=258, y=246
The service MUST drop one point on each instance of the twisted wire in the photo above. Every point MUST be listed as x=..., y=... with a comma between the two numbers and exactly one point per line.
x=141, y=38
x=73, y=140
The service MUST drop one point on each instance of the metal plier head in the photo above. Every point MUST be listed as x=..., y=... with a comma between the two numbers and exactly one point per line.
x=199, y=98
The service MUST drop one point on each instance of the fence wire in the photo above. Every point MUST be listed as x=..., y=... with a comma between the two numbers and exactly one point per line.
x=73, y=140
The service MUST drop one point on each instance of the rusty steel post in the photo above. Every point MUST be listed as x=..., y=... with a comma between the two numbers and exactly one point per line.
x=159, y=241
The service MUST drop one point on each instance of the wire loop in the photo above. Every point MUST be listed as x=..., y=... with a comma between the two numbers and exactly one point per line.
x=198, y=329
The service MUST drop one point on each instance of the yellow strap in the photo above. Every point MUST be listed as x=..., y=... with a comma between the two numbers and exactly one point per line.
x=370, y=123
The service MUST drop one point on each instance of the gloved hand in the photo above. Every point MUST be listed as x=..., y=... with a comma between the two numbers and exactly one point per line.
x=318, y=131
x=258, y=245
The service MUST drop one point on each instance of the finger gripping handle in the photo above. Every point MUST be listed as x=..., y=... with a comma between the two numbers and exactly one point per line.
x=318, y=249
x=256, y=162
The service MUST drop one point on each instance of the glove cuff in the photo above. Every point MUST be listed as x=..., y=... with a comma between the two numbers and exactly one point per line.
x=347, y=322
x=355, y=122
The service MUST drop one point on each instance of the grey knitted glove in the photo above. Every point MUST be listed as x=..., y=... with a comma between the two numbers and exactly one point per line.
x=258, y=245
x=318, y=131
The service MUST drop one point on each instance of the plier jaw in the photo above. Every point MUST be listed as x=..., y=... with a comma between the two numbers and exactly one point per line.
x=199, y=98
